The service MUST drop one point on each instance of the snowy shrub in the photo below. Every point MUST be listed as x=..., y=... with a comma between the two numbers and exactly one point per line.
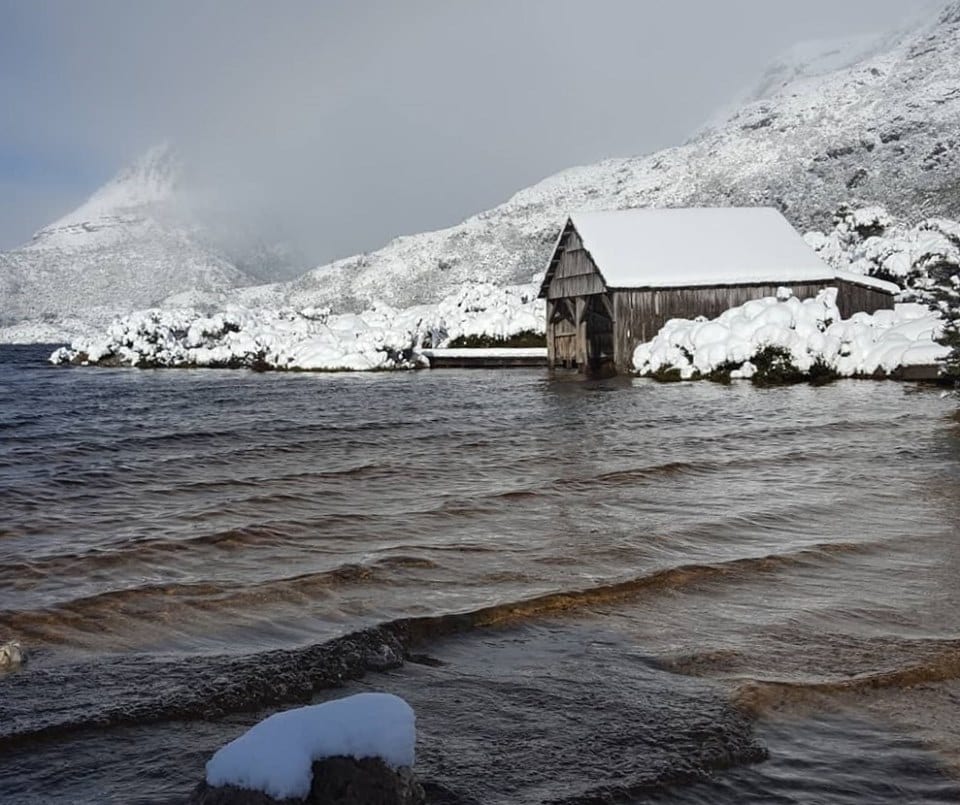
x=923, y=259
x=870, y=241
x=312, y=339
x=943, y=296
x=785, y=340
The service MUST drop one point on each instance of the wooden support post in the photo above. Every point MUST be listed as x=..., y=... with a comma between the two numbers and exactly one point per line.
x=551, y=356
x=608, y=305
x=581, y=323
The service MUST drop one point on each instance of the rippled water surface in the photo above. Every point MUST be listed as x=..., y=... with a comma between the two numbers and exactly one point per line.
x=590, y=591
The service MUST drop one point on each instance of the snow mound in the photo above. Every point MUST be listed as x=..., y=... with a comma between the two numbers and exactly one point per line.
x=309, y=339
x=806, y=334
x=276, y=755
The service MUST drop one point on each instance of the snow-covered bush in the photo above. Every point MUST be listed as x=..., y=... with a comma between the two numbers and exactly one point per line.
x=870, y=241
x=309, y=339
x=943, y=295
x=924, y=259
x=784, y=339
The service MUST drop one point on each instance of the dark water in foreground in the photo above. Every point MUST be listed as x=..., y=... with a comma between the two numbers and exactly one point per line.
x=590, y=592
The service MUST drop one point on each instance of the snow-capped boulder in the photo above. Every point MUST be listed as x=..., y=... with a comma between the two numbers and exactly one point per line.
x=353, y=751
x=335, y=781
x=11, y=655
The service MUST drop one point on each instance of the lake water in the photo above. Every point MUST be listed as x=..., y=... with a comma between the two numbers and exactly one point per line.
x=610, y=591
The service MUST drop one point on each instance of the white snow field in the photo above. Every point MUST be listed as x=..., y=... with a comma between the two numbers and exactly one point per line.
x=310, y=338
x=810, y=331
x=276, y=755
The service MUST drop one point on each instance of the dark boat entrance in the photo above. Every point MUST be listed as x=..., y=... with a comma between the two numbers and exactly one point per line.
x=598, y=319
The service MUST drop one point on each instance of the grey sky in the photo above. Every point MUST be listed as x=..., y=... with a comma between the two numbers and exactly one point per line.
x=343, y=124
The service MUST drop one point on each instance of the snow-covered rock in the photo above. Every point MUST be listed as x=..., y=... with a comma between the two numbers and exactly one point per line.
x=276, y=756
x=122, y=249
x=802, y=336
x=307, y=339
x=11, y=655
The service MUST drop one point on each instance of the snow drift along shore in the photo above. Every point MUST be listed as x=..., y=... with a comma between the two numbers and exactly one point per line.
x=309, y=338
x=799, y=338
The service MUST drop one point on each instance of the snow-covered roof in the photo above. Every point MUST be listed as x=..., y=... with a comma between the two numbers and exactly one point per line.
x=870, y=282
x=697, y=246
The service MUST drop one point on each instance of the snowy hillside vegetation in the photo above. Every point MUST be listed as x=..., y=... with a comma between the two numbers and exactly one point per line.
x=784, y=339
x=883, y=130
x=923, y=258
x=308, y=339
x=871, y=241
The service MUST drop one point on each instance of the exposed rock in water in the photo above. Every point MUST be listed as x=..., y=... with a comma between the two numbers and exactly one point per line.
x=11, y=655
x=336, y=781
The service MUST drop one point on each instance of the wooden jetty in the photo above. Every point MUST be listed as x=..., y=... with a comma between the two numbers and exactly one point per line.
x=484, y=358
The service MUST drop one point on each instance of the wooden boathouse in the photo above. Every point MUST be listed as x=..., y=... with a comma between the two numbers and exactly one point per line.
x=615, y=278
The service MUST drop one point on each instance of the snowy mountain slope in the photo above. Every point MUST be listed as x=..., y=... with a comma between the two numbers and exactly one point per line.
x=122, y=249
x=872, y=122
x=881, y=130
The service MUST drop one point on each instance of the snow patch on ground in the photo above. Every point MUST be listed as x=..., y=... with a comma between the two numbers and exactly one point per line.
x=276, y=755
x=811, y=332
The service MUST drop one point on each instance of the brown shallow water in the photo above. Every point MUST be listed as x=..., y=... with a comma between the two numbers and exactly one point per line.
x=610, y=591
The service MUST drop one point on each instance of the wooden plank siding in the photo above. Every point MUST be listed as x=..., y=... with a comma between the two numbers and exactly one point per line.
x=575, y=273
x=640, y=313
x=853, y=298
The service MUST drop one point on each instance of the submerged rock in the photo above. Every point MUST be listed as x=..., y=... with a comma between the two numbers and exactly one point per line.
x=336, y=781
x=11, y=655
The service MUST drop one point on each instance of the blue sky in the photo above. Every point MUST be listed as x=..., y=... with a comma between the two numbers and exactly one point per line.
x=353, y=122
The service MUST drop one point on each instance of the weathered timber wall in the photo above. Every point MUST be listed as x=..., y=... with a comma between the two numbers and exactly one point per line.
x=639, y=314
x=853, y=298
x=575, y=273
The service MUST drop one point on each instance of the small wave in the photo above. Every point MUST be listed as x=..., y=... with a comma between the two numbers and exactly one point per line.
x=214, y=686
x=669, y=578
x=173, y=602
x=760, y=696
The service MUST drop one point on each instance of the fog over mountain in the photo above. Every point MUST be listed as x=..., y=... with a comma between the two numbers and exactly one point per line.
x=333, y=127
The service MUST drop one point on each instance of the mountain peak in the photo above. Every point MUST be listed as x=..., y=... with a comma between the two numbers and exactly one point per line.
x=128, y=199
